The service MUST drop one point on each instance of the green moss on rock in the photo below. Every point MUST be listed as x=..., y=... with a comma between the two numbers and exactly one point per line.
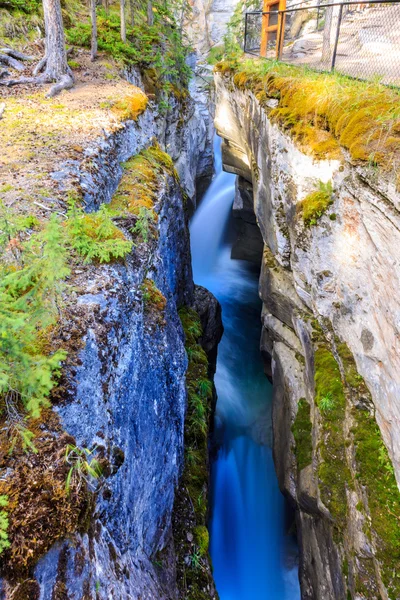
x=353, y=378
x=302, y=432
x=190, y=510
x=324, y=112
x=202, y=539
x=333, y=471
x=376, y=474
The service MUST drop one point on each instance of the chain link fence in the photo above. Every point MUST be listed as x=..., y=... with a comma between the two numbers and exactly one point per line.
x=359, y=39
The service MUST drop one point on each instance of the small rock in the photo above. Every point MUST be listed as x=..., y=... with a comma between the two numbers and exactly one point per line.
x=189, y=536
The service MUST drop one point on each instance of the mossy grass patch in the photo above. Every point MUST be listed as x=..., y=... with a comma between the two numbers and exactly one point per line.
x=326, y=112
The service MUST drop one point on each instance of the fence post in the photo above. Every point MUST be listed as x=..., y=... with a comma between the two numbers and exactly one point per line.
x=245, y=32
x=281, y=28
x=264, y=28
x=318, y=15
x=337, y=37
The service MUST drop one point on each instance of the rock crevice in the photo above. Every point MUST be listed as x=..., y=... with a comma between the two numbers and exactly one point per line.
x=329, y=341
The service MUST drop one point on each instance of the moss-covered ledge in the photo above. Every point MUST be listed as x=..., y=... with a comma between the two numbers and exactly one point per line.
x=194, y=572
x=325, y=113
x=41, y=505
x=351, y=459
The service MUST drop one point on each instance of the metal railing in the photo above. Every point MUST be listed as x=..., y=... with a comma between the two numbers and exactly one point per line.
x=358, y=39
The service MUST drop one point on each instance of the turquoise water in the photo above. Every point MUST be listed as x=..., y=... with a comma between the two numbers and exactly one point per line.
x=252, y=556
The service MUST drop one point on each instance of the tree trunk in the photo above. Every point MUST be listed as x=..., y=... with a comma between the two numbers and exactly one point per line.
x=55, y=60
x=123, y=22
x=132, y=12
x=106, y=6
x=149, y=12
x=56, y=55
x=331, y=20
x=93, y=16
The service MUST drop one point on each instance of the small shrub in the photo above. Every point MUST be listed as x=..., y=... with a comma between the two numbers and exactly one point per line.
x=215, y=55
x=326, y=403
x=315, y=204
x=30, y=295
x=4, y=523
x=94, y=236
x=195, y=560
x=83, y=467
x=143, y=224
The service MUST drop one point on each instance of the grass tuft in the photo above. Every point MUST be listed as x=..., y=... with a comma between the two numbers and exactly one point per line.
x=326, y=112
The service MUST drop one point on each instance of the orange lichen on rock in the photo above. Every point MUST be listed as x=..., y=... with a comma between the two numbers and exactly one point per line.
x=131, y=106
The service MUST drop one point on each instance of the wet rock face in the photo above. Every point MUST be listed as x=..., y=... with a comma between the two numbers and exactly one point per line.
x=125, y=393
x=209, y=310
x=185, y=133
x=207, y=22
x=248, y=243
x=332, y=286
x=128, y=399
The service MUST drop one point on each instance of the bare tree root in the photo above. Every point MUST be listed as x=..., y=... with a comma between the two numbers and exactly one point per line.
x=26, y=80
x=65, y=83
x=40, y=66
x=43, y=62
x=16, y=54
x=5, y=59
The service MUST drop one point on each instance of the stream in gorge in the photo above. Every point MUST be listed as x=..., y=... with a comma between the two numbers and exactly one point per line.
x=252, y=556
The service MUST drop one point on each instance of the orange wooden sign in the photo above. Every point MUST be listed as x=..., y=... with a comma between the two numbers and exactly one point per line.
x=270, y=6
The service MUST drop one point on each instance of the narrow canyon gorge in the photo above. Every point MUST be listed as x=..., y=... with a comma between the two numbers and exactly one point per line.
x=213, y=407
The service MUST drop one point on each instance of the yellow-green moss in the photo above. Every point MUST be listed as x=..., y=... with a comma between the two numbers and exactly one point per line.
x=376, y=474
x=202, y=539
x=302, y=433
x=141, y=181
x=333, y=471
x=154, y=302
x=73, y=64
x=315, y=204
x=325, y=111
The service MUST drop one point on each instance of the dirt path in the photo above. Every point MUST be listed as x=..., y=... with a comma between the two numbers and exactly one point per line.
x=37, y=135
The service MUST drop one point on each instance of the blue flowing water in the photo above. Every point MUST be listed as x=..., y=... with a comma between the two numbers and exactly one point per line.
x=252, y=557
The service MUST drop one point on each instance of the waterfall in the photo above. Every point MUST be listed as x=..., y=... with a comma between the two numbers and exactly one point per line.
x=252, y=557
